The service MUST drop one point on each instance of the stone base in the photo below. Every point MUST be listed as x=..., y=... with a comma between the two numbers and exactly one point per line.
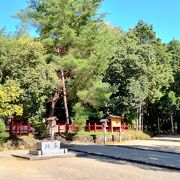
x=43, y=157
x=48, y=152
x=48, y=148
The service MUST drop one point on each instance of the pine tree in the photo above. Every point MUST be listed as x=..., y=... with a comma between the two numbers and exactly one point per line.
x=77, y=39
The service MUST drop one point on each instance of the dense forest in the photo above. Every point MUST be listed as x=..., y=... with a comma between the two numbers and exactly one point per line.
x=80, y=69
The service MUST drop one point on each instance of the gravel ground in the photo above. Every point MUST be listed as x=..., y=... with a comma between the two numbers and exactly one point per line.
x=160, y=159
x=161, y=143
x=90, y=167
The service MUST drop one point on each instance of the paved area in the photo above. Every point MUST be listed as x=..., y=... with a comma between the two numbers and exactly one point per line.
x=81, y=168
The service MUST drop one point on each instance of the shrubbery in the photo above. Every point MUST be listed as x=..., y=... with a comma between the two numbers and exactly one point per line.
x=3, y=134
x=80, y=117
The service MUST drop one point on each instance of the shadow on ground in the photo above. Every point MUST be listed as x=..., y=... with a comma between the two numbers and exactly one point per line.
x=121, y=162
x=160, y=148
x=141, y=158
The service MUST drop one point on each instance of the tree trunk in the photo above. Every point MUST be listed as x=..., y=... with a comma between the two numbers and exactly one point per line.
x=61, y=52
x=172, y=124
x=65, y=100
x=140, y=120
x=53, y=103
x=158, y=126
x=122, y=116
x=137, y=120
x=142, y=123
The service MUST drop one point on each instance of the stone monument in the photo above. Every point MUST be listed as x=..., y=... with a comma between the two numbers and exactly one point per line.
x=49, y=147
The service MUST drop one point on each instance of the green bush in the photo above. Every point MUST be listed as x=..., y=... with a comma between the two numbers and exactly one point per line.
x=40, y=127
x=80, y=117
x=3, y=134
x=80, y=122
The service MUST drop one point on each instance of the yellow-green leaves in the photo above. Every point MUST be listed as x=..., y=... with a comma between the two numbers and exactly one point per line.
x=9, y=94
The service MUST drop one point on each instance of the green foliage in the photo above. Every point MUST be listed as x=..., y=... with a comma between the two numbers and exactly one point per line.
x=60, y=21
x=39, y=126
x=106, y=70
x=79, y=42
x=9, y=99
x=3, y=134
x=174, y=50
x=140, y=70
x=80, y=117
x=39, y=84
x=23, y=59
x=96, y=96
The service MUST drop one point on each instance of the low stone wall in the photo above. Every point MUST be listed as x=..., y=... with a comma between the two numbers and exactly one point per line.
x=18, y=144
x=125, y=136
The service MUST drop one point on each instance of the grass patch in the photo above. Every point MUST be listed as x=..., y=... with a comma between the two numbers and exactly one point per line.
x=91, y=133
x=126, y=135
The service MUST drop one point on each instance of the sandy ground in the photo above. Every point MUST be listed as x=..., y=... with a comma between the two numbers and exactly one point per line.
x=89, y=167
x=161, y=143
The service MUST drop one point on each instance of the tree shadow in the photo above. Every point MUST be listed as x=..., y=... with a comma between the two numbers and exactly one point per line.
x=134, y=164
x=157, y=148
x=148, y=160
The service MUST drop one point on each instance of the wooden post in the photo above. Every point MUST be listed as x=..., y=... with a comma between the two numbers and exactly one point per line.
x=111, y=127
x=120, y=132
x=89, y=127
x=20, y=128
x=10, y=127
x=172, y=124
x=28, y=128
x=16, y=129
x=158, y=126
x=95, y=128
x=104, y=133
x=59, y=128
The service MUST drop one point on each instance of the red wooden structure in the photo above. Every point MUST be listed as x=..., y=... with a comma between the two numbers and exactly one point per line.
x=89, y=127
x=24, y=127
x=18, y=128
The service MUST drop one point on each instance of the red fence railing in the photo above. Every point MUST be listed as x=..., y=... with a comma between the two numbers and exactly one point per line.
x=90, y=127
x=18, y=128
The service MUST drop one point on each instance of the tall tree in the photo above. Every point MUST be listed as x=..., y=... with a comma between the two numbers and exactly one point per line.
x=77, y=40
x=174, y=50
x=23, y=61
x=140, y=71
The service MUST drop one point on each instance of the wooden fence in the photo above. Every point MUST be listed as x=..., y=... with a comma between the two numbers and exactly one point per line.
x=90, y=127
x=18, y=128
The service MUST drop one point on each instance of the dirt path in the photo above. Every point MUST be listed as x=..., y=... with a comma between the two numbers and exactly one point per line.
x=89, y=167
